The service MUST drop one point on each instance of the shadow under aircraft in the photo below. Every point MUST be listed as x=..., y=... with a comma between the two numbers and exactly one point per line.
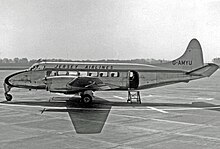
x=90, y=119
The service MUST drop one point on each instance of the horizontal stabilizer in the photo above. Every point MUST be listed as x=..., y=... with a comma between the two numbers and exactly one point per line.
x=204, y=71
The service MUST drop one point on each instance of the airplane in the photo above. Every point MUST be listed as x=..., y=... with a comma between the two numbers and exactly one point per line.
x=85, y=78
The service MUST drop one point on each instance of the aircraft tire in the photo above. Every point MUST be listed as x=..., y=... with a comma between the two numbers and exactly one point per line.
x=8, y=97
x=87, y=99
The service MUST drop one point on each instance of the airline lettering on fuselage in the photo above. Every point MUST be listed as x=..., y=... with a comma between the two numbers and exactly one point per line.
x=98, y=67
x=66, y=66
x=182, y=62
x=63, y=66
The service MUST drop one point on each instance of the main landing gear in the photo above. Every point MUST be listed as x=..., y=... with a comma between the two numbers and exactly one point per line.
x=134, y=95
x=87, y=97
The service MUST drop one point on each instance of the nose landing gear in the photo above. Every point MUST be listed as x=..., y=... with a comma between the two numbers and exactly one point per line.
x=8, y=97
x=7, y=89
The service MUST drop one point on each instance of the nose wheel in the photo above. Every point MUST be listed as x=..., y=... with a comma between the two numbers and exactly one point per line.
x=8, y=97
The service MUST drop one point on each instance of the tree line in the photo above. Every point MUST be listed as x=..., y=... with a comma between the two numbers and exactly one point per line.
x=16, y=61
x=26, y=61
x=216, y=60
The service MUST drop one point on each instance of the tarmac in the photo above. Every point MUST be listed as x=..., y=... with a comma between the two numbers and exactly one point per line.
x=166, y=119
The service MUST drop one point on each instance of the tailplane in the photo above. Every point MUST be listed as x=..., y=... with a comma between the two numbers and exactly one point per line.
x=190, y=60
x=205, y=71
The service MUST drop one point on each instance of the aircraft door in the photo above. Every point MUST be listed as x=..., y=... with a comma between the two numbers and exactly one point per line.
x=133, y=79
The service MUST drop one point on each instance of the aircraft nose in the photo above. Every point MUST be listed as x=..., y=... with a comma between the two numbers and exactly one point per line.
x=9, y=83
x=15, y=79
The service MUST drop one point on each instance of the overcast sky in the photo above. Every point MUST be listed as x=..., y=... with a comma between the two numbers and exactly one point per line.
x=108, y=29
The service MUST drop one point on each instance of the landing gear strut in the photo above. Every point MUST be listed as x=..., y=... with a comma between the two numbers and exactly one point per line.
x=7, y=89
x=134, y=95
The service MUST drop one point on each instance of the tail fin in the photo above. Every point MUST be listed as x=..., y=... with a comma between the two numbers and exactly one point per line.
x=190, y=60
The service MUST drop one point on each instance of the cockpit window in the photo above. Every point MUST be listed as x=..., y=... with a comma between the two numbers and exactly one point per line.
x=32, y=67
x=36, y=67
x=40, y=67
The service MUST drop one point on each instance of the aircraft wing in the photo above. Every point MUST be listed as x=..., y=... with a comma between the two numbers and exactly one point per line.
x=90, y=83
x=73, y=84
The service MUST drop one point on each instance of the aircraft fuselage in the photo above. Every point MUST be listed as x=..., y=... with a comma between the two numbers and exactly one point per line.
x=56, y=76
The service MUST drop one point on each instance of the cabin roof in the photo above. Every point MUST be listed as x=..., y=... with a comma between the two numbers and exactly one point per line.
x=102, y=66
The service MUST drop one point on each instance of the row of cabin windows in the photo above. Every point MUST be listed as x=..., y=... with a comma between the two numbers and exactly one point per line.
x=83, y=73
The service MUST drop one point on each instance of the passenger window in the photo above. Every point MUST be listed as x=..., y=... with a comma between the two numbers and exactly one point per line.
x=55, y=73
x=73, y=73
x=82, y=73
x=93, y=74
x=62, y=73
x=103, y=74
x=114, y=74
